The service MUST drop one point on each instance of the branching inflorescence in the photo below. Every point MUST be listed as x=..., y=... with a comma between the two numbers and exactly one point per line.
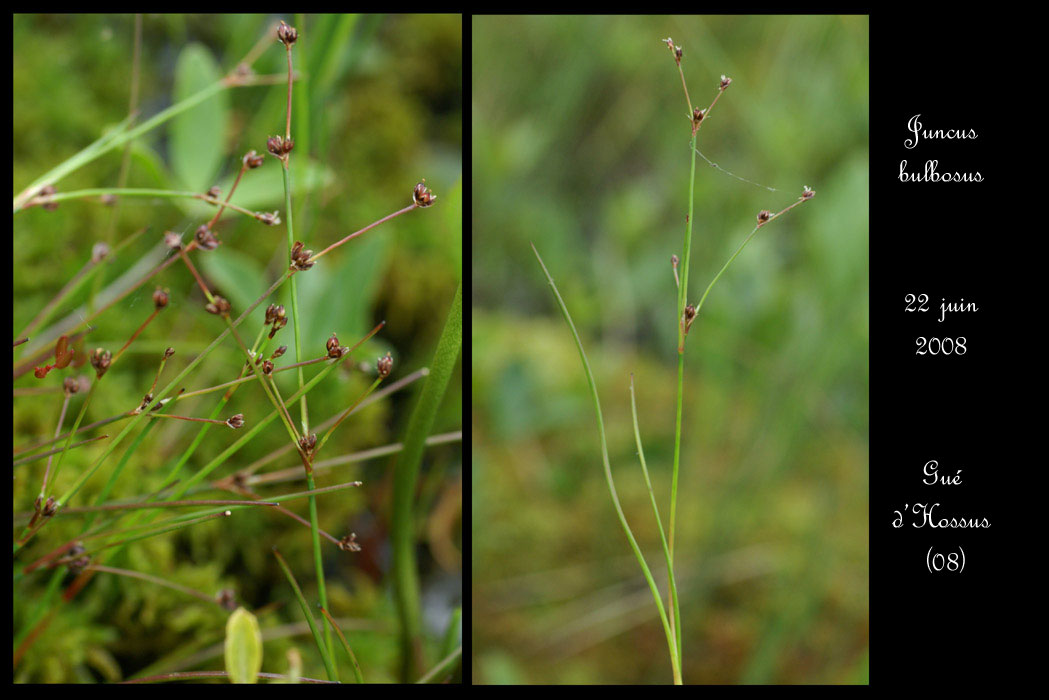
x=687, y=314
x=257, y=365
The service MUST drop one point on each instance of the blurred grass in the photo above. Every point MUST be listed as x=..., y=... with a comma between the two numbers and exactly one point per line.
x=390, y=114
x=580, y=145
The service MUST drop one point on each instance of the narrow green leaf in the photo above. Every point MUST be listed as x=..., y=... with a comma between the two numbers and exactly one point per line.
x=243, y=647
x=406, y=473
x=309, y=616
x=345, y=645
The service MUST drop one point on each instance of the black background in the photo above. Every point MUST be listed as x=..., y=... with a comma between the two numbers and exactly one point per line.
x=981, y=242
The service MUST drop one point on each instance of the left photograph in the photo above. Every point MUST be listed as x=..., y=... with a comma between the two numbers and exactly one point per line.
x=237, y=334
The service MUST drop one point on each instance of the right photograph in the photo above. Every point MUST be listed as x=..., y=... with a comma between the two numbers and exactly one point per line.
x=670, y=333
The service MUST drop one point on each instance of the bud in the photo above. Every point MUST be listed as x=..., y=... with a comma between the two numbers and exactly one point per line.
x=236, y=421
x=168, y=353
x=422, y=196
x=205, y=238
x=98, y=252
x=275, y=145
x=252, y=160
x=349, y=543
x=100, y=360
x=763, y=216
x=160, y=298
x=332, y=346
x=70, y=385
x=278, y=352
x=306, y=444
x=226, y=599
x=286, y=35
x=269, y=219
x=383, y=365
x=172, y=240
x=300, y=258
x=218, y=307
x=689, y=317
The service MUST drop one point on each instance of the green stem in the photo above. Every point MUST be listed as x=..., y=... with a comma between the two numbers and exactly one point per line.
x=675, y=625
x=608, y=468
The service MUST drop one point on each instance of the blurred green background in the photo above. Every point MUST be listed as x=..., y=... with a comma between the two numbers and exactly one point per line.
x=383, y=109
x=580, y=145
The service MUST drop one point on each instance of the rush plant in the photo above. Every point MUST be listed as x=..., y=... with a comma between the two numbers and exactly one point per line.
x=687, y=313
x=194, y=362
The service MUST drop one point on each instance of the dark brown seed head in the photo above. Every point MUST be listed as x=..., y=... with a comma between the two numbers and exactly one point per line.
x=252, y=160
x=332, y=346
x=725, y=82
x=278, y=352
x=160, y=298
x=49, y=507
x=690, y=316
x=219, y=307
x=349, y=543
x=808, y=193
x=763, y=216
x=269, y=219
x=168, y=353
x=214, y=192
x=286, y=35
x=205, y=238
x=236, y=421
x=384, y=365
x=275, y=145
x=100, y=360
x=267, y=367
x=308, y=443
x=422, y=196
x=697, y=115
x=70, y=385
x=300, y=257
x=146, y=400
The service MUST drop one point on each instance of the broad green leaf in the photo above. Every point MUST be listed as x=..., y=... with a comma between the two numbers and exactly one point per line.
x=197, y=145
x=243, y=647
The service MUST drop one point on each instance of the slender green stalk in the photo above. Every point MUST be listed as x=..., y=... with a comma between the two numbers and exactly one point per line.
x=608, y=470
x=405, y=476
x=309, y=617
x=675, y=625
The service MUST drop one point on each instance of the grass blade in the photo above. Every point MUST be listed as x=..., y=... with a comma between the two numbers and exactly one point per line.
x=309, y=616
x=346, y=645
x=608, y=471
x=406, y=578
